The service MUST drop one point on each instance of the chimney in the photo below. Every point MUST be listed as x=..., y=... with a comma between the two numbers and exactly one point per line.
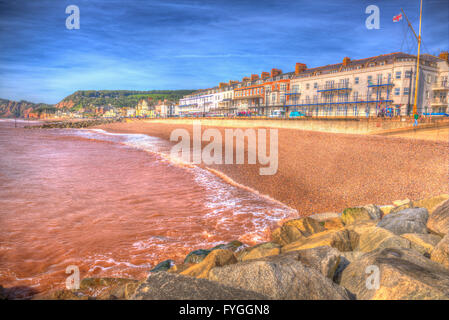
x=444, y=55
x=265, y=75
x=300, y=67
x=245, y=79
x=254, y=77
x=275, y=72
x=346, y=61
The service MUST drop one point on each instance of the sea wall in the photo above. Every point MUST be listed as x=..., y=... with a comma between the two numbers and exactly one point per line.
x=334, y=125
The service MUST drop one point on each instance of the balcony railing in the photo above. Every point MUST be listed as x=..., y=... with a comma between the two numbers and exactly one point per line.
x=439, y=102
x=334, y=87
x=350, y=99
x=444, y=85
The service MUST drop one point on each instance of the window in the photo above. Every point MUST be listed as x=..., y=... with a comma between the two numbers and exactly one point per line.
x=295, y=88
x=398, y=74
x=356, y=80
x=397, y=91
x=307, y=86
x=406, y=91
x=315, y=85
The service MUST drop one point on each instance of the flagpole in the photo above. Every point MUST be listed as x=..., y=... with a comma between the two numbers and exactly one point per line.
x=415, y=109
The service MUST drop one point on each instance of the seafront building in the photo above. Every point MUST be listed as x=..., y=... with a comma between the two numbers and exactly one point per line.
x=380, y=85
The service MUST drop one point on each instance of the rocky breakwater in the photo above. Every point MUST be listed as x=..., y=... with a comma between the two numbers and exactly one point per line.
x=397, y=251
x=77, y=124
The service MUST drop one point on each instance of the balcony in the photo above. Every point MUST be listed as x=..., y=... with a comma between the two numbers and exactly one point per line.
x=439, y=102
x=334, y=87
x=440, y=86
x=360, y=99
x=293, y=93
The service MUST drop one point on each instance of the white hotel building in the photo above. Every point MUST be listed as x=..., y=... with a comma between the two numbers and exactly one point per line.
x=369, y=86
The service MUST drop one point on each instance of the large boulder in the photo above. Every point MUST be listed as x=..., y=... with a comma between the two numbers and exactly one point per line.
x=108, y=288
x=431, y=203
x=199, y=255
x=216, y=258
x=62, y=294
x=324, y=259
x=196, y=256
x=259, y=251
x=345, y=259
x=233, y=246
x=439, y=219
x=279, y=277
x=296, y=229
x=325, y=216
x=169, y=286
x=400, y=205
x=355, y=214
x=386, y=209
x=372, y=238
x=423, y=243
x=329, y=220
x=440, y=253
x=338, y=239
x=163, y=266
x=402, y=274
x=412, y=220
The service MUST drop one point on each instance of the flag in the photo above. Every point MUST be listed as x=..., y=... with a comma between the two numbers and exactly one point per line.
x=397, y=18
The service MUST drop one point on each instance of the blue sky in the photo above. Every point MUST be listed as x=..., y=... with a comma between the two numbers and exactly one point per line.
x=177, y=44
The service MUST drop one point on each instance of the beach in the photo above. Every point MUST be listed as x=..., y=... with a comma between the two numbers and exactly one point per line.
x=321, y=172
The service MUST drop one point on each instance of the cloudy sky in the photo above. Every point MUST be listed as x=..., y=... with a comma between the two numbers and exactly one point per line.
x=180, y=44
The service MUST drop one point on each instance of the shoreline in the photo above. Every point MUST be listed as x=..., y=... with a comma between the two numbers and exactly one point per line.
x=321, y=257
x=348, y=164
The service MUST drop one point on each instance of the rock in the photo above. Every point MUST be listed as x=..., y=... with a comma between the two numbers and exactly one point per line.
x=325, y=216
x=216, y=258
x=333, y=224
x=345, y=259
x=324, y=259
x=338, y=239
x=398, y=203
x=63, y=294
x=386, y=209
x=279, y=277
x=412, y=220
x=286, y=234
x=3, y=293
x=439, y=219
x=440, y=253
x=402, y=205
x=351, y=215
x=431, y=203
x=404, y=274
x=374, y=211
x=372, y=238
x=169, y=286
x=163, y=266
x=196, y=256
x=108, y=288
x=259, y=251
x=329, y=220
x=233, y=246
x=296, y=229
x=423, y=243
